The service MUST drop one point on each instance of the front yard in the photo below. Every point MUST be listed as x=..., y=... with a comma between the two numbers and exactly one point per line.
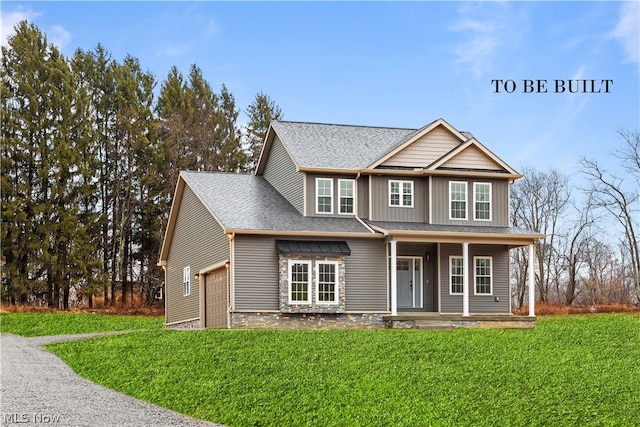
x=570, y=370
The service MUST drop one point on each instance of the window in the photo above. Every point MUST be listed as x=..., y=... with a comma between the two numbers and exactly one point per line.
x=346, y=196
x=186, y=281
x=455, y=275
x=482, y=275
x=327, y=282
x=324, y=195
x=299, y=282
x=458, y=200
x=401, y=193
x=482, y=201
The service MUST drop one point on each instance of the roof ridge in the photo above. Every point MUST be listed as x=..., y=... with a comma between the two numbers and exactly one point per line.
x=344, y=125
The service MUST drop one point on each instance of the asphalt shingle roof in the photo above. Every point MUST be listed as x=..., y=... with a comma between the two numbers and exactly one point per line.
x=249, y=202
x=320, y=145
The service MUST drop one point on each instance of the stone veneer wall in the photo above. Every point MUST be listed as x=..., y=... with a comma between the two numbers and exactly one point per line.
x=307, y=320
x=191, y=324
x=314, y=307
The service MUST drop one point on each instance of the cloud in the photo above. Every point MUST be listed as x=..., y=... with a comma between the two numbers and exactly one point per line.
x=486, y=28
x=58, y=36
x=8, y=20
x=627, y=31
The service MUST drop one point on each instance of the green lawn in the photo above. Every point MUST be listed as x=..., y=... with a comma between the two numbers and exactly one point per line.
x=575, y=370
x=61, y=323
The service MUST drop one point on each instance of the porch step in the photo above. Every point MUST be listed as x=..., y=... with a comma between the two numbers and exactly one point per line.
x=433, y=325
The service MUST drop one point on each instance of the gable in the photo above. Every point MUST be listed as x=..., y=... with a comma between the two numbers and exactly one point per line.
x=424, y=150
x=472, y=158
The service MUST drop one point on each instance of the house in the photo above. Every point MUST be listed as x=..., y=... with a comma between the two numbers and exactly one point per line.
x=347, y=226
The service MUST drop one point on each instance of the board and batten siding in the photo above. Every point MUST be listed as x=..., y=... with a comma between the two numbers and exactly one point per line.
x=257, y=278
x=198, y=242
x=499, y=202
x=425, y=150
x=380, y=209
x=256, y=284
x=477, y=303
x=280, y=171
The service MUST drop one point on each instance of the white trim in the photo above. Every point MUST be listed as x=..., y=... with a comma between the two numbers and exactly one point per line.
x=430, y=198
x=330, y=196
x=401, y=193
x=466, y=201
x=353, y=197
x=336, y=265
x=451, y=258
x=532, y=282
x=465, y=278
x=420, y=279
x=475, y=211
x=309, y=281
x=394, y=278
x=186, y=281
x=475, y=275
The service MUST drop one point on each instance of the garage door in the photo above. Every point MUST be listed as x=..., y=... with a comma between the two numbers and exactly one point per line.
x=216, y=299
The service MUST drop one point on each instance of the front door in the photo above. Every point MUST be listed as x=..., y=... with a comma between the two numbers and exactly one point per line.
x=409, y=278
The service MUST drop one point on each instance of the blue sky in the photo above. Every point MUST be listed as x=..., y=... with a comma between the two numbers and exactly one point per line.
x=395, y=64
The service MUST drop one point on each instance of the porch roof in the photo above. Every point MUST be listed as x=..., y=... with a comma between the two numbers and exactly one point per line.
x=438, y=233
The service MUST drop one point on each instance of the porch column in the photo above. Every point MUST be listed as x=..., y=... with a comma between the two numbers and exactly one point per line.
x=394, y=278
x=532, y=282
x=465, y=279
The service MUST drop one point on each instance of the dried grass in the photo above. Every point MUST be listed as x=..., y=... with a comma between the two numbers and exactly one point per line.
x=549, y=309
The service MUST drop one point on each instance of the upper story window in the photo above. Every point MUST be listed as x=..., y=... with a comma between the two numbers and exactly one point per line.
x=347, y=196
x=324, y=195
x=401, y=193
x=457, y=200
x=482, y=201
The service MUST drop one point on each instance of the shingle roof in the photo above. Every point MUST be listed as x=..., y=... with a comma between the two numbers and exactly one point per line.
x=249, y=202
x=317, y=145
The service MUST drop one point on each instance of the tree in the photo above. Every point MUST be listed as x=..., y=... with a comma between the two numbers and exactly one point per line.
x=537, y=204
x=261, y=113
x=616, y=195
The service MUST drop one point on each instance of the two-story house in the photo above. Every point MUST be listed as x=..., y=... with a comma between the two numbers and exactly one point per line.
x=347, y=226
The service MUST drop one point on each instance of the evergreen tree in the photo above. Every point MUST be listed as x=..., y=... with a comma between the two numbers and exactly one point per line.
x=261, y=113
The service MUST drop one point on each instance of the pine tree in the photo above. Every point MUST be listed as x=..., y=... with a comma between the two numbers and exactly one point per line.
x=261, y=113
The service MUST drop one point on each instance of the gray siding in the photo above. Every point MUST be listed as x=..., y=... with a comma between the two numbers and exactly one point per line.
x=256, y=273
x=311, y=194
x=280, y=172
x=477, y=303
x=499, y=202
x=366, y=276
x=198, y=241
x=380, y=209
x=363, y=197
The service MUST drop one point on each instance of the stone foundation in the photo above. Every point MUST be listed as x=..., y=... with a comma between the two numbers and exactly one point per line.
x=191, y=324
x=306, y=321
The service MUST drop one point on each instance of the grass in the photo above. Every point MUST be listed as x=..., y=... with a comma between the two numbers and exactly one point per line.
x=577, y=370
x=63, y=323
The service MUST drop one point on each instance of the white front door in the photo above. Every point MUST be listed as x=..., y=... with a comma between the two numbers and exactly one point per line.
x=409, y=279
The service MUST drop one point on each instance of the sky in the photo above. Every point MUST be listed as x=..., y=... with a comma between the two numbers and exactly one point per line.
x=392, y=64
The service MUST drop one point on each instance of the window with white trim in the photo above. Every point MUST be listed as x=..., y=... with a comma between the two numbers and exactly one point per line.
x=324, y=195
x=186, y=281
x=483, y=275
x=327, y=282
x=457, y=200
x=347, y=196
x=456, y=278
x=482, y=201
x=299, y=282
x=400, y=193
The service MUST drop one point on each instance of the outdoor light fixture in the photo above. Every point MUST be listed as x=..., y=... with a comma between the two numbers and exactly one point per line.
x=196, y=276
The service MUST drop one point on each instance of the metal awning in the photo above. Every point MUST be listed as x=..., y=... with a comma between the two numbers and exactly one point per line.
x=317, y=247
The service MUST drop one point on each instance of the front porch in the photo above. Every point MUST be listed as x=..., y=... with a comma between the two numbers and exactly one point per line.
x=436, y=321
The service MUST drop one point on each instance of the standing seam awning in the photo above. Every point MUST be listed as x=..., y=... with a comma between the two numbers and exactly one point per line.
x=318, y=247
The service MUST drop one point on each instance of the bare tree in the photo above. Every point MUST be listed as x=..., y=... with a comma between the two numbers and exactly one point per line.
x=618, y=195
x=537, y=203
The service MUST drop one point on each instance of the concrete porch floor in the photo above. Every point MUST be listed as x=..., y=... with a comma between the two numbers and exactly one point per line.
x=437, y=321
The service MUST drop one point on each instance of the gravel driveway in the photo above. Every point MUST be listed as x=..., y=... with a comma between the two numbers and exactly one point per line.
x=37, y=388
